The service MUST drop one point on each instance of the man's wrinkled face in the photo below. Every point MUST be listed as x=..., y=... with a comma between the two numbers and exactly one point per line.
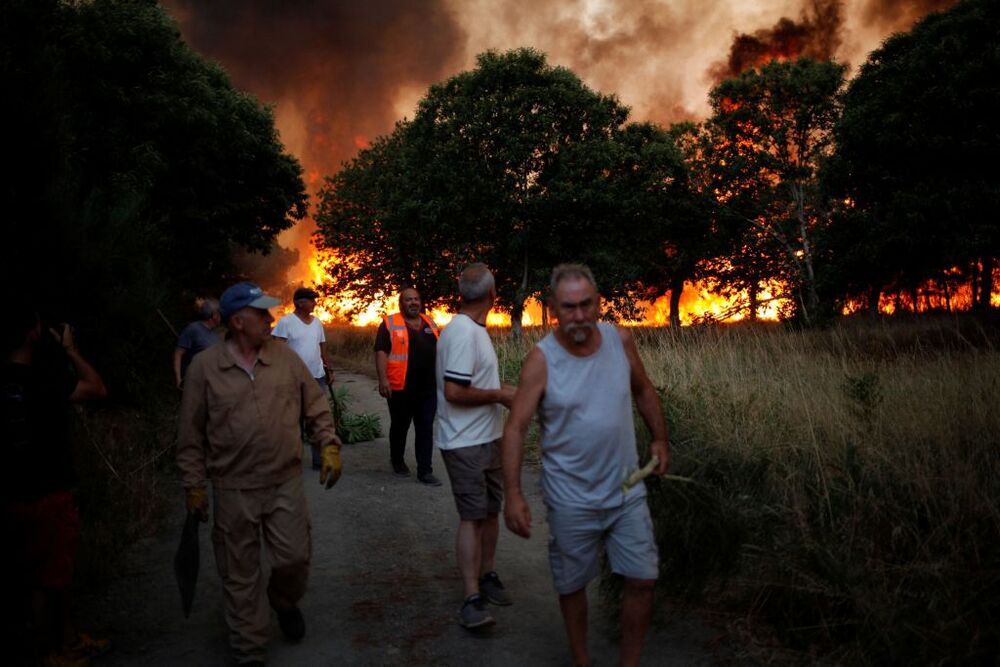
x=409, y=303
x=254, y=323
x=576, y=305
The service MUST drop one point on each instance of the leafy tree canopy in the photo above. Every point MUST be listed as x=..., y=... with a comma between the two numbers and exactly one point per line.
x=138, y=170
x=769, y=132
x=917, y=150
x=515, y=163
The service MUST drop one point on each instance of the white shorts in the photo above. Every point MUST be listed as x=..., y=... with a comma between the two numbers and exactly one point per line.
x=575, y=536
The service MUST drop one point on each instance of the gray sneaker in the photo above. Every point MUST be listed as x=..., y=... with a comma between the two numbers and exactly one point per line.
x=492, y=589
x=474, y=614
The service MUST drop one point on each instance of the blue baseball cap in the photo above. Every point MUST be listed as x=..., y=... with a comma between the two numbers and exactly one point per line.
x=242, y=295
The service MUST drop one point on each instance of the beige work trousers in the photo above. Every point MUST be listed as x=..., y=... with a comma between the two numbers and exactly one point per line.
x=242, y=516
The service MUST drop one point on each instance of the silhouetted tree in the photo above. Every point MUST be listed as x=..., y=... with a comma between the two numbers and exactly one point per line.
x=916, y=165
x=769, y=131
x=137, y=169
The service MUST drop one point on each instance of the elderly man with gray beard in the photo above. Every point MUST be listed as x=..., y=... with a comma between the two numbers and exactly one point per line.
x=581, y=380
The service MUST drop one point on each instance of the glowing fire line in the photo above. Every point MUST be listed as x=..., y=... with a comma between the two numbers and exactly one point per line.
x=697, y=304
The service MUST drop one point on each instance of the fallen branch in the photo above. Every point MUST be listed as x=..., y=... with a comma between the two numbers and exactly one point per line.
x=647, y=470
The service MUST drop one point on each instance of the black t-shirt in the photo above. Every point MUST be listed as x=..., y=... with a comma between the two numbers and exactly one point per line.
x=420, y=359
x=34, y=424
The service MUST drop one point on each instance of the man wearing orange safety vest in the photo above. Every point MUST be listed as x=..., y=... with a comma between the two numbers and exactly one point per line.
x=405, y=349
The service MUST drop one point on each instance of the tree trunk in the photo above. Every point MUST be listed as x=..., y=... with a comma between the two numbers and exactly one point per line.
x=986, y=291
x=874, y=296
x=518, y=310
x=545, y=315
x=975, y=285
x=752, y=293
x=676, y=289
x=515, y=320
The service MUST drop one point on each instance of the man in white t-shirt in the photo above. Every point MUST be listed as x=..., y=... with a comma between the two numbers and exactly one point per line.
x=304, y=333
x=468, y=429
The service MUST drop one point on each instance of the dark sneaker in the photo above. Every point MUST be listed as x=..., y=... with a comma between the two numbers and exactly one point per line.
x=429, y=479
x=401, y=469
x=293, y=626
x=473, y=614
x=492, y=589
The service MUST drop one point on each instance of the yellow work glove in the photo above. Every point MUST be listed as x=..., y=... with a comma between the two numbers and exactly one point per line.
x=329, y=471
x=197, y=502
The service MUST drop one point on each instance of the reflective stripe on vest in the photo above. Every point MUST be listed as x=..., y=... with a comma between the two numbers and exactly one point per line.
x=399, y=353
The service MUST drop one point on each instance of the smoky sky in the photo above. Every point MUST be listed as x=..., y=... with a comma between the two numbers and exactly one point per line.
x=333, y=69
x=341, y=72
x=816, y=34
x=900, y=14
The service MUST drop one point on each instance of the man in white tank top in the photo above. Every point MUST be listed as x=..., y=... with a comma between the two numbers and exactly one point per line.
x=581, y=380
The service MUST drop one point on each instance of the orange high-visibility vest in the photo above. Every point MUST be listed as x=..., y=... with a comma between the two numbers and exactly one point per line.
x=399, y=334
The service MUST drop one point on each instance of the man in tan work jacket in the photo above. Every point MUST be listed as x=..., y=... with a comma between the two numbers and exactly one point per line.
x=239, y=428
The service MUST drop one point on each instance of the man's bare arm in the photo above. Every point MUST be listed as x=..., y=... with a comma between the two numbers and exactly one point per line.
x=178, y=356
x=89, y=384
x=327, y=363
x=530, y=389
x=471, y=396
x=647, y=402
x=382, y=373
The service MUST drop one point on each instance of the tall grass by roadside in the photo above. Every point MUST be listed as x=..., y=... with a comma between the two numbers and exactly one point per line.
x=352, y=347
x=125, y=467
x=848, y=498
x=846, y=503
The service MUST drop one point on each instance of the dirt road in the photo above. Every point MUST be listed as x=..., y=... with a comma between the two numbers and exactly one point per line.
x=384, y=588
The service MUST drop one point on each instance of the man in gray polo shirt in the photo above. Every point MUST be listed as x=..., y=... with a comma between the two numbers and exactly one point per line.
x=467, y=432
x=581, y=379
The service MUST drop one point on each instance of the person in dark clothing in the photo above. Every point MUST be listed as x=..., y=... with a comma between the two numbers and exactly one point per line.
x=195, y=337
x=39, y=513
x=405, y=348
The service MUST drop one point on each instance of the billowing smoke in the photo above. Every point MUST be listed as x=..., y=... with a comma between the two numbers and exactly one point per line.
x=816, y=35
x=341, y=72
x=896, y=15
x=338, y=72
x=335, y=69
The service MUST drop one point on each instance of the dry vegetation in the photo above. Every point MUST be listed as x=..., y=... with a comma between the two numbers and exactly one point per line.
x=846, y=503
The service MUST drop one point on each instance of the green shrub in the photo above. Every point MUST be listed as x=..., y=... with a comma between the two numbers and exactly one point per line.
x=352, y=427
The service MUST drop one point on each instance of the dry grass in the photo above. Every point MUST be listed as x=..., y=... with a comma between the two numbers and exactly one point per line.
x=125, y=464
x=847, y=504
x=851, y=484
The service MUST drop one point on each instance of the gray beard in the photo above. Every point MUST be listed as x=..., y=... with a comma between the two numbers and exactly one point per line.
x=578, y=333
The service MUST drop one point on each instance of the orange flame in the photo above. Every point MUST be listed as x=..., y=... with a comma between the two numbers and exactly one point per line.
x=331, y=309
x=950, y=294
x=698, y=303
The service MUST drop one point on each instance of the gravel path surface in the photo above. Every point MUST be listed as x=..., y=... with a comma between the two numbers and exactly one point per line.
x=383, y=590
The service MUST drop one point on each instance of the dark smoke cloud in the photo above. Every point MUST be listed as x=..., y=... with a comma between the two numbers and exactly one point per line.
x=817, y=34
x=341, y=72
x=896, y=15
x=337, y=65
x=334, y=70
